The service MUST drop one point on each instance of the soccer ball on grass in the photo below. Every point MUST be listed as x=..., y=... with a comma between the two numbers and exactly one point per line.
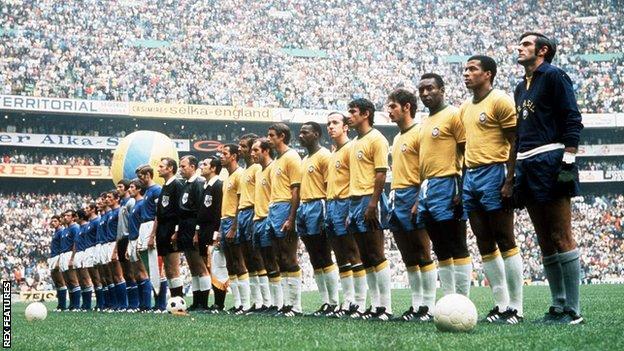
x=455, y=313
x=36, y=311
x=176, y=305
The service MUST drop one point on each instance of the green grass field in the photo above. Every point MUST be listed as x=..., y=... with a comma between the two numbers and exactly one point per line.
x=603, y=310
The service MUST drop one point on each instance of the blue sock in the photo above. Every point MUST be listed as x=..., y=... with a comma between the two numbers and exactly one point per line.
x=99, y=297
x=74, y=297
x=61, y=295
x=122, y=295
x=133, y=295
x=112, y=296
x=145, y=294
x=161, y=299
x=86, y=298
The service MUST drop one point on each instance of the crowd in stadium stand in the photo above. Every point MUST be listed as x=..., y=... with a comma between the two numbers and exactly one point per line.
x=56, y=157
x=603, y=165
x=597, y=225
x=254, y=53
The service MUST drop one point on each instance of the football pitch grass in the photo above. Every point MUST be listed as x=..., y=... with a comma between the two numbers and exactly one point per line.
x=603, y=309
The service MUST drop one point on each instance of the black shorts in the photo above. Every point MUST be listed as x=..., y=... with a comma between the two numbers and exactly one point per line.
x=206, y=232
x=186, y=231
x=164, y=232
x=122, y=248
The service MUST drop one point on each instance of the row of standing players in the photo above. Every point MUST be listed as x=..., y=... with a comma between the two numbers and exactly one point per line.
x=476, y=162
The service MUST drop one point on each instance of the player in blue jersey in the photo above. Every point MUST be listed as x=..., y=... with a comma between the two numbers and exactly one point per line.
x=91, y=256
x=126, y=203
x=81, y=260
x=101, y=262
x=546, y=177
x=68, y=237
x=145, y=174
x=53, y=263
x=110, y=251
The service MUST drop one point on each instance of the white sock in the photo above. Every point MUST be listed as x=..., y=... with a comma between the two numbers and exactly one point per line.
x=287, y=301
x=295, y=292
x=429, y=276
x=265, y=292
x=348, y=290
x=463, y=275
x=373, y=288
x=384, y=286
x=235, y=292
x=360, y=289
x=331, y=282
x=494, y=271
x=415, y=282
x=447, y=277
x=319, y=277
x=514, y=273
x=277, y=294
x=244, y=290
x=254, y=291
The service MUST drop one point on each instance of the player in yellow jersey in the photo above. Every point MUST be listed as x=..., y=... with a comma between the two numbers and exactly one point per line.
x=350, y=267
x=311, y=216
x=368, y=209
x=489, y=118
x=442, y=142
x=230, y=240
x=258, y=280
x=261, y=154
x=409, y=234
x=285, y=184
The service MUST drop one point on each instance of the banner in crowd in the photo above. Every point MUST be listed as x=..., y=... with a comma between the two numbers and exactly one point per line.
x=37, y=295
x=601, y=176
x=57, y=105
x=202, y=112
x=297, y=115
x=601, y=150
x=72, y=141
x=17, y=170
x=206, y=145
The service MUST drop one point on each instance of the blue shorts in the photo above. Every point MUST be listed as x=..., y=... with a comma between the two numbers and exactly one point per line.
x=261, y=237
x=226, y=224
x=310, y=217
x=401, y=219
x=336, y=217
x=435, y=200
x=278, y=215
x=357, y=207
x=245, y=224
x=482, y=187
x=536, y=179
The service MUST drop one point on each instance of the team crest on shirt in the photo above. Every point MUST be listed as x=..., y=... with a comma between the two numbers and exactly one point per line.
x=278, y=172
x=264, y=182
x=482, y=117
x=435, y=132
x=248, y=179
x=184, y=198
x=207, y=200
x=230, y=186
x=338, y=164
x=310, y=169
x=403, y=147
x=165, y=200
x=526, y=108
x=360, y=155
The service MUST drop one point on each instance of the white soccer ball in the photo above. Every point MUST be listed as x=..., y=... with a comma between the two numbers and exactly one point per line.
x=455, y=313
x=36, y=311
x=176, y=304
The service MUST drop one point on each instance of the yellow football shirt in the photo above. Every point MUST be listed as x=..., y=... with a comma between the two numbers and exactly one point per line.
x=484, y=123
x=262, y=192
x=248, y=182
x=338, y=173
x=405, y=149
x=286, y=173
x=368, y=154
x=439, y=136
x=314, y=175
x=231, y=189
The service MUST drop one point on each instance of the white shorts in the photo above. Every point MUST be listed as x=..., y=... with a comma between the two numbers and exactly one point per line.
x=64, y=261
x=53, y=262
x=88, y=259
x=96, y=254
x=78, y=258
x=144, y=233
x=133, y=255
x=106, y=252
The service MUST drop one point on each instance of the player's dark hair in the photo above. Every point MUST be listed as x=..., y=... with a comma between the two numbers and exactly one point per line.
x=436, y=77
x=192, y=160
x=145, y=169
x=487, y=64
x=540, y=41
x=114, y=193
x=403, y=97
x=138, y=185
x=233, y=149
x=92, y=206
x=103, y=194
x=344, y=117
x=171, y=163
x=250, y=137
x=82, y=214
x=364, y=105
x=264, y=144
x=281, y=129
x=315, y=127
x=57, y=217
x=73, y=212
x=125, y=182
